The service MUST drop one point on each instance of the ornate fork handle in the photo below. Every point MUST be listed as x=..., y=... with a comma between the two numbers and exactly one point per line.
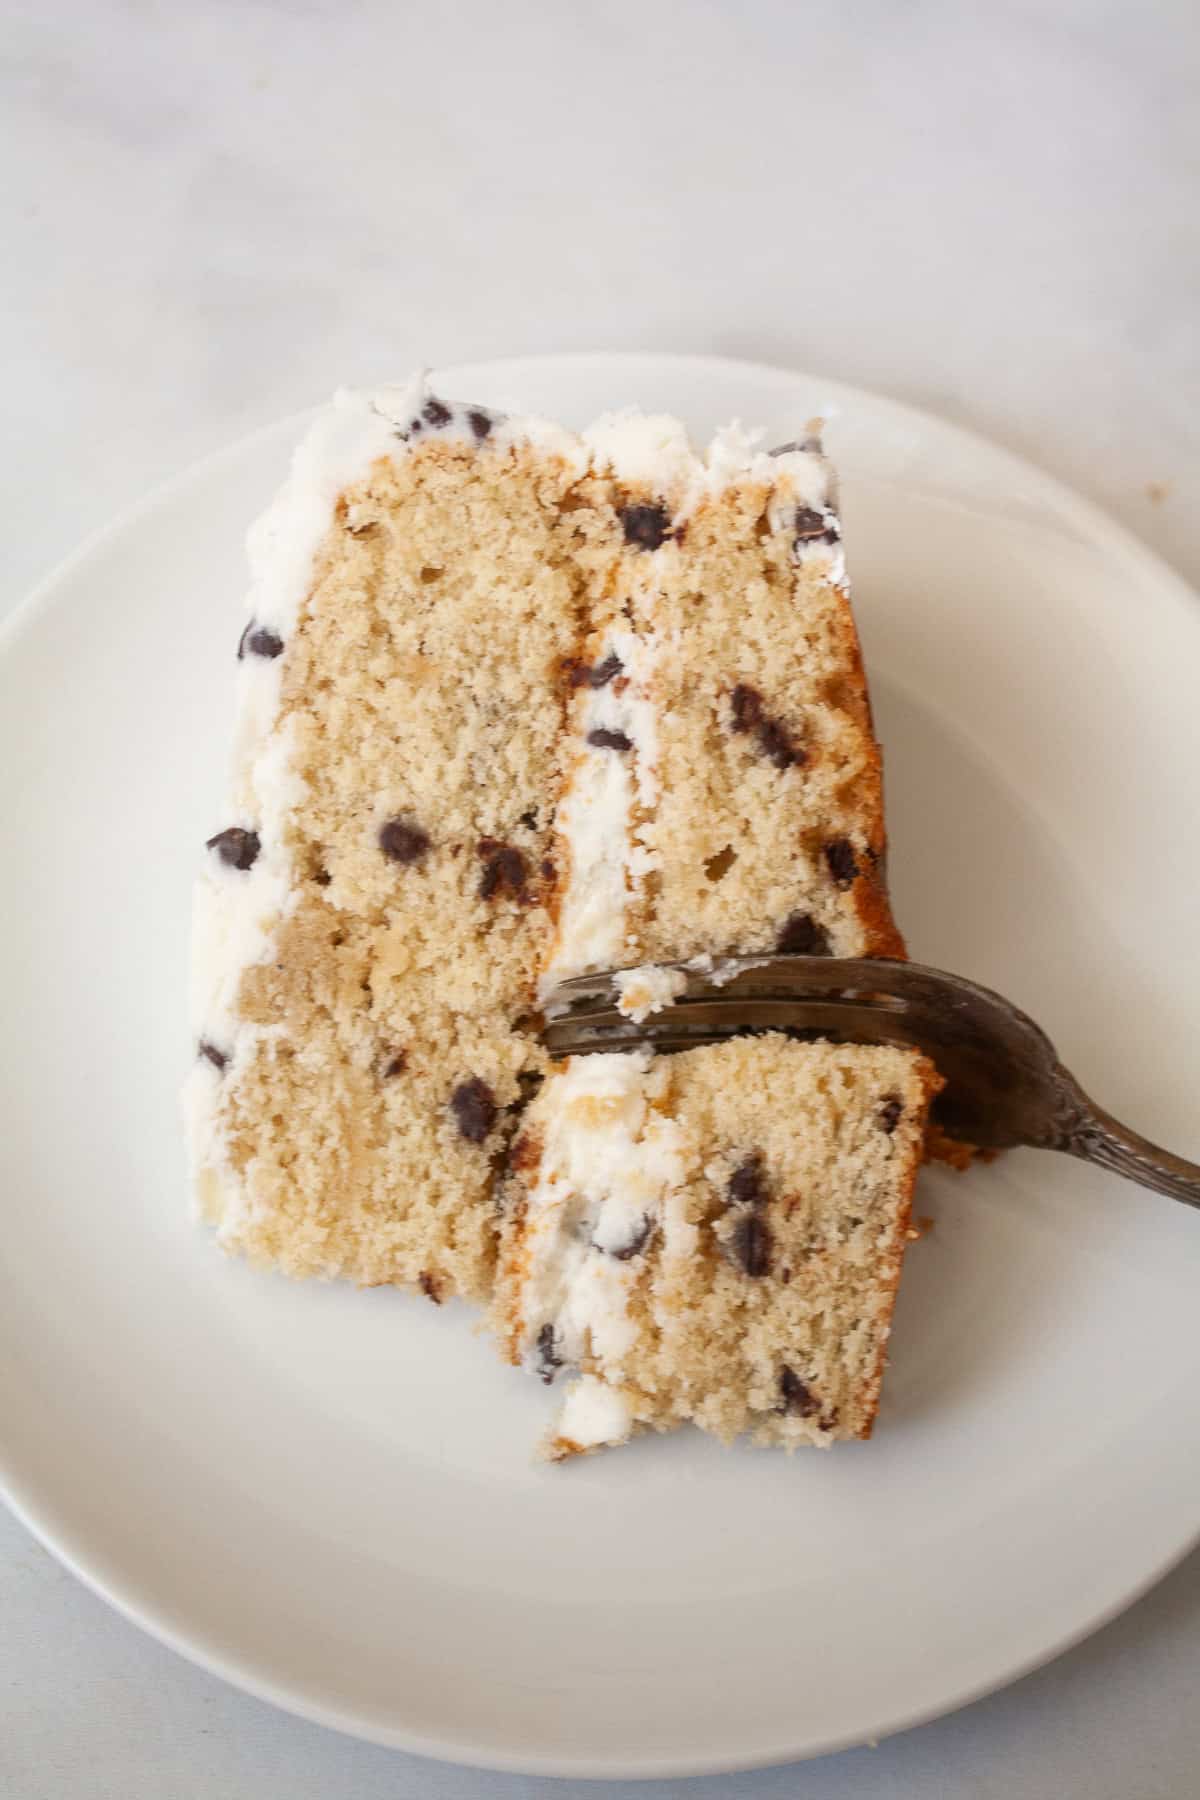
x=1096, y=1137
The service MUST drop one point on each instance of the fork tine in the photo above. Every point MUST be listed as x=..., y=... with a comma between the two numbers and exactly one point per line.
x=700, y=1021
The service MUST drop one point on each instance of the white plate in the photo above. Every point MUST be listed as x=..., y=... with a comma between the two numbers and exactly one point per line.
x=327, y=1496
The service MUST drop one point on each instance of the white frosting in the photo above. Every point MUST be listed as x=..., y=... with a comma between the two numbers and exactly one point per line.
x=647, y=990
x=652, y=450
x=592, y=1414
x=608, y=1161
x=609, y=852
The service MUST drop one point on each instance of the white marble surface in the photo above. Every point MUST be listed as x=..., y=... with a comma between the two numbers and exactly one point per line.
x=215, y=212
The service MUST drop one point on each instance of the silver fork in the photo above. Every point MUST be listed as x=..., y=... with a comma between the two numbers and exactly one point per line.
x=1004, y=1082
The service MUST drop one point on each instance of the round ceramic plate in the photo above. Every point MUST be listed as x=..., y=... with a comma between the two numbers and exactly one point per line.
x=328, y=1496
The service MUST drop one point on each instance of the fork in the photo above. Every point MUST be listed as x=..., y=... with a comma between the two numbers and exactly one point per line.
x=1004, y=1082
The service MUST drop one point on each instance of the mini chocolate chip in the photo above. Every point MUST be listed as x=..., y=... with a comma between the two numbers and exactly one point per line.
x=503, y=867
x=750, y=1244
x=809, y=523
x=474, y=1107
x=216, y=1057
x=637, y=1242
x=839, y=855
x=813, y=527
x=429, y=1287
x=890, y=1114
x=396, y=1065
x=775, y=743
x=236, y=847
x=602, y=739
x=402, y=841
x=548, y=1359
x=746, y=1186
x=256, y=640
x=774, y=738
x=479, y=422
x=436, y=412
x=802, y=936
x=529, y=819
x=645, y=526
x=415, y=425
x=747, y=707
x=796, y=1397
x=596, y=675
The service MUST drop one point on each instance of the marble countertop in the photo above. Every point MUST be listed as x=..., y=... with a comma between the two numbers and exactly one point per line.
x=217, y=213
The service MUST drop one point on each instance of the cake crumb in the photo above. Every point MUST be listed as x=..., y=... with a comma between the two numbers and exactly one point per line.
x=647, y=990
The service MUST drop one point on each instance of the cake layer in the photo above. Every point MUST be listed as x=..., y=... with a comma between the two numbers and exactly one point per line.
x=714, y=1236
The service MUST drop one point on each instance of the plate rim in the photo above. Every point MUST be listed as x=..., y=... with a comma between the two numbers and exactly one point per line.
x=162, y=1624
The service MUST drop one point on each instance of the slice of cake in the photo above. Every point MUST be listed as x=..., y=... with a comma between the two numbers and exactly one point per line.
x=714, y=1236
x=514, y=704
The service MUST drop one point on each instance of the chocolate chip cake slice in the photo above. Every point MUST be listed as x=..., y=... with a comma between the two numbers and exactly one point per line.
x=714, y=1236
x=514, y=704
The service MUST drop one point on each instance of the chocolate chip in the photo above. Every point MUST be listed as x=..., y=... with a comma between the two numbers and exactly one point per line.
x=395, y=1065
x=414, y=425
x=750, y=1244
x=795, y=1396
x=596, y=675
x=747, y=704
x=216, y=1057
x=474, y=1107
x=774, y=739
x=775, y=743
x=436, y=412
x=402, y=841
x=479, y=422
x=503, y=867
x=802, y=936
x=548, y=1359
x=814, y=527
x=529, y=819
x=256, y=640
x=746, y=1185
x=637, y=1243
x=601, y=739
x=808, y=522
x=839, y=855
x=645, y=526
x=429, y=1287
x=890, y=1114
x=236, y=847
